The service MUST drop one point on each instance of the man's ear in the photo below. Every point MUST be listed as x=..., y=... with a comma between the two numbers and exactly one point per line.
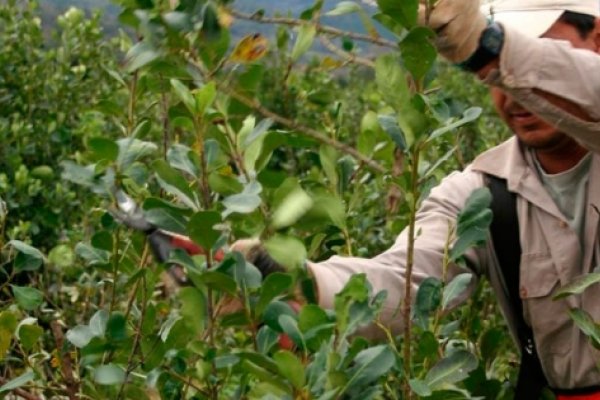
x=596, y=35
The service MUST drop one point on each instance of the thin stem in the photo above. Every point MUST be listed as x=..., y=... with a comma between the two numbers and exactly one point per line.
x=328, y=30
x=353, y=58
x=407, y=305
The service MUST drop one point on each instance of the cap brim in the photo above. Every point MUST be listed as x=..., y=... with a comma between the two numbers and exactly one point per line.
x=530, y=23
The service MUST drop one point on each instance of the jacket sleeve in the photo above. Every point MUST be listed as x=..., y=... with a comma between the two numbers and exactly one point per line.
x=387, y=271
x=554, y=67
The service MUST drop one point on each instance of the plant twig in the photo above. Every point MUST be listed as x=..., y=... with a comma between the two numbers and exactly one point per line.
x=20, y=392
x=328, y=30
x=66, y=364
x=348, y=56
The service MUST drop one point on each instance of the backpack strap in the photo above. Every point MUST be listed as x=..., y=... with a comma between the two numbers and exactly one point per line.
x=505, y=236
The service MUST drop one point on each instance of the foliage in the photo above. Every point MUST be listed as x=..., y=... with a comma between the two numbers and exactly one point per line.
x=219, y=141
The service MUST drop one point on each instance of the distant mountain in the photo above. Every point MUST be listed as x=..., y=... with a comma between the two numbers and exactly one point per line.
x=52, y=8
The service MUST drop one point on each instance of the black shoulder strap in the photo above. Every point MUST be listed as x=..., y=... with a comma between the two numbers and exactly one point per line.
x=504, y=231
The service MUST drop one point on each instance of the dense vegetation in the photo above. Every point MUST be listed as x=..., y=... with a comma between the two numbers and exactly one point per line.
x=220, y=140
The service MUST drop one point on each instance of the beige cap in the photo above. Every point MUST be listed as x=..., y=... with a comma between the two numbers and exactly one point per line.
x=535, y=17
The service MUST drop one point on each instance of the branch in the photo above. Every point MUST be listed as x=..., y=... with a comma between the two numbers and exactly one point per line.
x=348, y=56
x=21, y=393
x=328, y=30
x=313, y=133
x=66, y=364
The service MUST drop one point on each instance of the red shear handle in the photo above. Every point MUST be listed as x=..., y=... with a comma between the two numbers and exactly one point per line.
x=185, y=243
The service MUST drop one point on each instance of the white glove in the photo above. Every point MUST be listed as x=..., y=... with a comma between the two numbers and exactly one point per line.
x=458, y=24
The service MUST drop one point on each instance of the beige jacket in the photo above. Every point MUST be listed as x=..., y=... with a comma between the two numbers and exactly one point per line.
x=551, y=251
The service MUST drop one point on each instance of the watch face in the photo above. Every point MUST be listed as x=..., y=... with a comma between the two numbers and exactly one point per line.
x=492, y=39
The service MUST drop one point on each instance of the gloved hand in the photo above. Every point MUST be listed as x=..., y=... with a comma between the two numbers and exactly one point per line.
x=254, y=252
x=458, y=25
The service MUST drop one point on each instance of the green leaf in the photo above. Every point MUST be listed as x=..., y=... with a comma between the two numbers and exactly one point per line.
x=451, y=369
x=370, y=365
x=473, y=222
x=587, y=325
x=92, y=255
x=185, y=95
x=98, y=323
x=429, y=297
x=219, y=281
x=205, y=97
x=109, y=374
x=28, y=298
x=455, y=288
x=140, y=55
x=172, y=181
x=245, y=202
x=292, y=208
x=344, y=7
x=272, y=313
x=256, y=133
x=61, y=256
x=19, y=381
x=311, y=316
x=420, y=387
x=306, y=37
x=201, y=228
x=28, y=258
x=404, y=12
x=290, y=368
x=289, y=326
x=578, y=286
x=389, y=124
x=116, y=327
x=29, y=335
x=329, y=157
x=418, y=52
x=132, y=149
x=104, y=149
x=80, y=335
x=274, y=285
x=469, y=115
x=182, y=158
x=193, y=308
x=288, y=251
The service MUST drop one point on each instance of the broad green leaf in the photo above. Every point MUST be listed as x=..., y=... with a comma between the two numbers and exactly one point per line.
x=311, y=316
x=389, y=124
x=473, y=222
x=182, y=158
x=167, y=219
x=19, y=381
x=304, y=41
x=27, y=298
x=140, y=55
x=109, y=374
x=344, y=7
x=288, y=251
x=455, y=288
x=274, y=285
x=587, y=325
x=98, y=323
x=8, y=324
x=490, y=343
x=475, y=236
x=92, y=255
x=219, y=281
x=205, y=97
x=370, y=365
x=29, y=335
x=256, y=133
x=132, y=149
x=420, y=387
x=116, y=327
x=469, y=115
x=329, y=157
x=290, y=368
x=245, y=202
x=429, y=297
x=172, y=181
x=451, y=369
x=272, y=313
x=294, y=206
x=104, y=149
x=193, y=305
x=266, y=339
x=404, y=12
x=289, y=326
x=185, y=95
x=578, y=286
x=80, y=335
x=418, y=52
x=28, y=258
x=62, y=256
x=201, y=228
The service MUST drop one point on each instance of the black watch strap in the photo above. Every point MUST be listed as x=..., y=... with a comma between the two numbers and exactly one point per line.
x=490, y=46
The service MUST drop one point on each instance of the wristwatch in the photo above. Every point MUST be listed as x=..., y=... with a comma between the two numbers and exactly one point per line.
x=490, y=46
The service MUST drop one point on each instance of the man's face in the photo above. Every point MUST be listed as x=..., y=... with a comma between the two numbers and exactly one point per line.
x=531, y=130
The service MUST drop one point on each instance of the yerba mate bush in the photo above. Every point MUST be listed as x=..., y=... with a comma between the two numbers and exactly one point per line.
x=219, y=137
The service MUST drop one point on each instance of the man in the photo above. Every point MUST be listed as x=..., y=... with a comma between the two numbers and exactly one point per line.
x=548, y=93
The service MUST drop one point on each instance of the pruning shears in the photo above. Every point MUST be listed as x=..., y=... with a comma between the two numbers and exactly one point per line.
x=161, y=241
